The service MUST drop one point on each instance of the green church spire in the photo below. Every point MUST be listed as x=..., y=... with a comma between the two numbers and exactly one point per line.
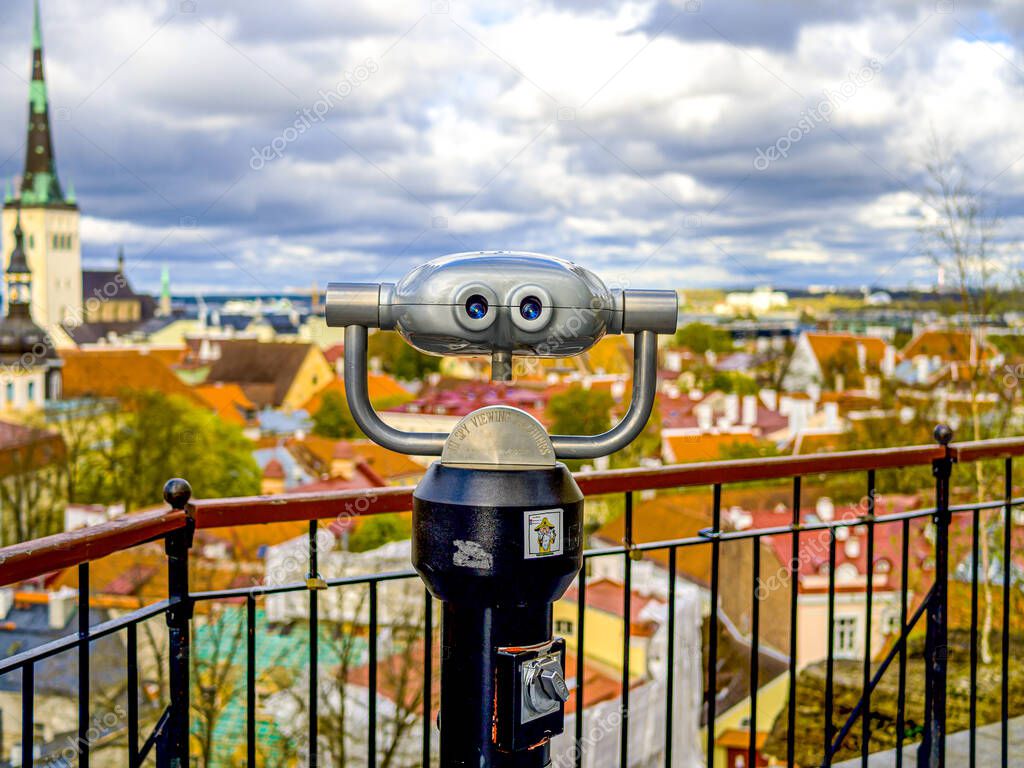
x=39, y=184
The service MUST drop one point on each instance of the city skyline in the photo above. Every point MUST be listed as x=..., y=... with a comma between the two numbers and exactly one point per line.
x=649, y=142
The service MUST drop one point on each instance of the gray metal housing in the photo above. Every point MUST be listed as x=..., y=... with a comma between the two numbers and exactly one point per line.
x=428, y=307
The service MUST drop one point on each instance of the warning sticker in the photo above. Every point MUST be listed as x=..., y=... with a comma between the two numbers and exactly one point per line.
x=543, y=533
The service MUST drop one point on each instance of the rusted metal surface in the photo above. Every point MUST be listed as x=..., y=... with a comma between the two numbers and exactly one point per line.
x=63, y=550
x=292, y=507
x=41, y=556
x=988, y=449
x=744, y=470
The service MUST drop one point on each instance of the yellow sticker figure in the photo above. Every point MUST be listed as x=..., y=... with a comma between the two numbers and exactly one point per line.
x=545, y=536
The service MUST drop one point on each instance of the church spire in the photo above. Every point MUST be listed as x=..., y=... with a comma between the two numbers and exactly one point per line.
x=39, y=184
x=18, y=277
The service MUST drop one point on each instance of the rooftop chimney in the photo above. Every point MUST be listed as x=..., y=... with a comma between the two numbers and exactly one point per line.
x=852, y=547
x=62, y=607
x=825, y=509
x=749, y=410
x=889, y=360
x=732, y=408
x=705, y=416
x=832, y=416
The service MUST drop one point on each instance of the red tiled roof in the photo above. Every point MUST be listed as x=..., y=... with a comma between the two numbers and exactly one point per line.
x=26, y=448
x=464, y=397
x=128, y=582
x=608, y=596
x=334, y=353
x=814, y=544
x=274, y=470
x=402, y=675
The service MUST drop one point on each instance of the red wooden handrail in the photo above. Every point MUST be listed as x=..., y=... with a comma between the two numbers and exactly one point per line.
x=64, y=550
x=41, y=556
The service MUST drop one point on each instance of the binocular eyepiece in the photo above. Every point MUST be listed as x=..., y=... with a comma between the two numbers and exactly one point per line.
x=501, y=303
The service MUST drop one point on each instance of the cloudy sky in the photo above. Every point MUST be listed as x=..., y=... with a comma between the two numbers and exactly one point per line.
x=265, y=145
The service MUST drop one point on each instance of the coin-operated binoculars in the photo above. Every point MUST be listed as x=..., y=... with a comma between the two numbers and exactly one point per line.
x=497, y=522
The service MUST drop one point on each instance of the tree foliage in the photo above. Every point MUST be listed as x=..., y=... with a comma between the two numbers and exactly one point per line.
x=701, y=337
x=152, y=437
x=378, y=530
x=32, y=488
x=399, y=359
x=333, y=418
x=579, y=411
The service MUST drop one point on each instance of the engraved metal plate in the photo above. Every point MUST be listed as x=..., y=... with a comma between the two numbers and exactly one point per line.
x=499, y=436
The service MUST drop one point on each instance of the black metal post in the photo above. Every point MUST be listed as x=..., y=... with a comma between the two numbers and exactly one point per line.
x=173, y=748
x=932, y=751
x=496, y=592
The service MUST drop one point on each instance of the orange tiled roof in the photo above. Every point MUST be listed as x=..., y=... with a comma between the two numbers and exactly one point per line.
x=828, y=345
x=227, y=400
x=612, y=354
x=142, y=571
x=167, y=355
x=950, y=346
x=111, y=372
x=387, y=464
x=381, y=388
x=682, y=449
x=818, y=443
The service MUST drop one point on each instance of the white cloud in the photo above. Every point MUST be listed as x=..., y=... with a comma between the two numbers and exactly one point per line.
x=652, y=174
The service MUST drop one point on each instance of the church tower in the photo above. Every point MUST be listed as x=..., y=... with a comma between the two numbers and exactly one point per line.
x=30, y=370
x=48, y=215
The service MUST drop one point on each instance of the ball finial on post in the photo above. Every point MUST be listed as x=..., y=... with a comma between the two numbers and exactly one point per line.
x=177, y=492
x=943, y=434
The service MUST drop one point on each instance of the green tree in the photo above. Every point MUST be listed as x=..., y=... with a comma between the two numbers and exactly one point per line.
x=399, y=359
x=378, y=530
x=32, y=486
x=733, y=382
x=701, y=337
x=738, y=450
x=333, y=418
x=579, y=411
x=153, y=437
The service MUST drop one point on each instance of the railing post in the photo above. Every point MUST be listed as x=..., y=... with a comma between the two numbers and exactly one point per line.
x=932, y=751
x=173, y=748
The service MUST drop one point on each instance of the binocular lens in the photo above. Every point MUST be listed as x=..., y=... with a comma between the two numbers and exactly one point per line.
x=476, y=306
x=530, y=308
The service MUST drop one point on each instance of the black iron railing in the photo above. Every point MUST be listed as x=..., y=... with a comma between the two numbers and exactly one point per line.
x=170, y=737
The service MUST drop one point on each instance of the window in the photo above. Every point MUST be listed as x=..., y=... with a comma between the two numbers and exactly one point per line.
x=891, y=623
x=31, y=391
x=9, y=389
x=564, y=627
x=846, y=636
